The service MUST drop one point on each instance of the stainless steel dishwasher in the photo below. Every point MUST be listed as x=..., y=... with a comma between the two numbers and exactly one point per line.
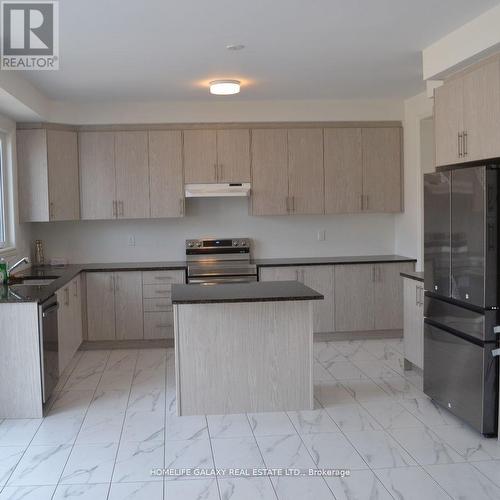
x=49, y=345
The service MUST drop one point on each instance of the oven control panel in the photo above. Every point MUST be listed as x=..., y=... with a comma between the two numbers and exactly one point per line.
x=218, y=243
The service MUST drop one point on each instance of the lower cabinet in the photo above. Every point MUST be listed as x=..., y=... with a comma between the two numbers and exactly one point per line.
x=369, y=296
x=157, y=297
x=414, y=321
x=130, y=305
x=69, y=318
x=320, y=278
x=358, y=297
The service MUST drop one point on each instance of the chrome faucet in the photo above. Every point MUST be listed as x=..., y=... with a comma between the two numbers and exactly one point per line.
x=24, y=260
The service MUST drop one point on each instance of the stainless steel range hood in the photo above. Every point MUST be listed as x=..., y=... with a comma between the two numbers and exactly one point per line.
x=217, y=190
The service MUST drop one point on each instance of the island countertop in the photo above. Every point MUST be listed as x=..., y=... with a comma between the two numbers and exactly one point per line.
x=261, y=291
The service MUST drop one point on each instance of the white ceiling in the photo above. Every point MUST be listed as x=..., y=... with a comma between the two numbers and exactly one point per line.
x=148, y=50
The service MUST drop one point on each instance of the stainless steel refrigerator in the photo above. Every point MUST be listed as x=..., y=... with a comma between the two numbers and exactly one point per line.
x=461, y=252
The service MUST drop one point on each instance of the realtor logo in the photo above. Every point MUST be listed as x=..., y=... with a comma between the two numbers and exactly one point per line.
x=30, y=35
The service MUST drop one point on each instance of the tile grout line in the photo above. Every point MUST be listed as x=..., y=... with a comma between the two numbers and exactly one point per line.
x=307, y=449
x=83, y=419
x=213, y=455
x=261, y=454
x=123, y=425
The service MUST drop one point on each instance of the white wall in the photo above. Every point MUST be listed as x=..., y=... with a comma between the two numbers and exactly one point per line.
x=408, y=230
x=286, y=236
x=19, y=232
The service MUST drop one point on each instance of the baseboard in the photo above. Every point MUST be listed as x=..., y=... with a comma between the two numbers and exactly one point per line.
x=125, y=344
x=364, y=335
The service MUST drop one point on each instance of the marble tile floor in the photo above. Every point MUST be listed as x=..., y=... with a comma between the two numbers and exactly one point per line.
x=112, y=420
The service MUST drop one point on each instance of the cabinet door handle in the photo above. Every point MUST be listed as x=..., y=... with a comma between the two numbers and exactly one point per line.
x=111, y=283
x=114, y=208
x=215, y=171
x=51, y=210
x=465, y=135
x=66, y=298
x=122, y=209
x=362, y=202
x=181, y=206
x=293, y=203
x=75, y=293
x=460, y=144
x=221, y=175
x=287, y=202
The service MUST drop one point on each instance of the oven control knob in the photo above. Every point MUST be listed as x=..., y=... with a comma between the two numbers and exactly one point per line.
x=190, y=244
x=235, y=243
x=242, y=243
x=198, y=244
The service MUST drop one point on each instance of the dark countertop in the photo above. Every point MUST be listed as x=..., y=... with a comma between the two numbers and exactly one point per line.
x=318, y=261
x=262, y=291
x=414, y=275
x=62, y=275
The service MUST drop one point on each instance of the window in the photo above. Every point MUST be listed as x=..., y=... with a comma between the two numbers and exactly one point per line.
x=3, y=222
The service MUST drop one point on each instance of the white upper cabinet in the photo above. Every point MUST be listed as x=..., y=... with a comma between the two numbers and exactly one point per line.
x=48, y=175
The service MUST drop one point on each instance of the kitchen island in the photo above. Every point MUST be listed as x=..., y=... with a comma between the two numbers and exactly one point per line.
x=243, y=347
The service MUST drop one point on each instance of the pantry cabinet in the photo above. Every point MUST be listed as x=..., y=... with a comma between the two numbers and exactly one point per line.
x=69, y=319
x=212, y=156
x=466, y=110
x=48, y=175
x=414, y=321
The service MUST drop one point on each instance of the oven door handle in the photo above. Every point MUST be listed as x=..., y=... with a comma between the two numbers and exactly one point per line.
x=229, y=279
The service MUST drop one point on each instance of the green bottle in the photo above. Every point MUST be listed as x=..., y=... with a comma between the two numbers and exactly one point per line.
x=3, y=272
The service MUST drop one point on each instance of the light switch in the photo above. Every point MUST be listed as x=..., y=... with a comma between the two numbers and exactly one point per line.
x=321, y=235
x=131, y=240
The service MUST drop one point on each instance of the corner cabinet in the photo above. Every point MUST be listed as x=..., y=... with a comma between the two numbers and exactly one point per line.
x=466, y=110
x=48, y=175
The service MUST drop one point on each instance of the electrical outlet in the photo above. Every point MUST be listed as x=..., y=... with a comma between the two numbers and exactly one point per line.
x=321, y=235
x=131, y=240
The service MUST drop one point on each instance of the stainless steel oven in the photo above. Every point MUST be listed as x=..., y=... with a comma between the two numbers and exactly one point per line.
x=49, y=345
x=226, y=260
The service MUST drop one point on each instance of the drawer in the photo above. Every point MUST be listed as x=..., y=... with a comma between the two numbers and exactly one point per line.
x=157, y=291
x=158, y=325
x=157, y=305
x=162, y=277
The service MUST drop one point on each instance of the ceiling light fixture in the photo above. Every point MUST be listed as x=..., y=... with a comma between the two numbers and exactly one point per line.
x=224, y=87
x=235, y=46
